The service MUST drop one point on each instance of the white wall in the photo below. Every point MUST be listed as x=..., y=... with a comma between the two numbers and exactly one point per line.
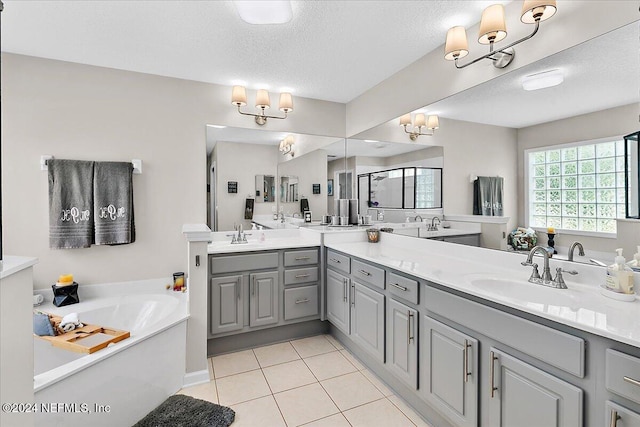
x=310, y=169
x=614, y=122
x=241, y=163
x=91, y=113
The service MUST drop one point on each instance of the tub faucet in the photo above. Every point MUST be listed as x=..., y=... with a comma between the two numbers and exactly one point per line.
x=573, y=247
x=433, y=226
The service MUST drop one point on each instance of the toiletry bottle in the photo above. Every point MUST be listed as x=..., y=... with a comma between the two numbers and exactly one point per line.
x=262, y=236
x=612, y=282
x=635, y=262
x=620, y=276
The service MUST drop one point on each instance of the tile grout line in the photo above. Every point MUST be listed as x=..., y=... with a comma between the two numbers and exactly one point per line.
x=401, y=411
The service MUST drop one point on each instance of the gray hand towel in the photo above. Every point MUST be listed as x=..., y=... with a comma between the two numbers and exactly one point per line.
x=113, y=203
x=70, y=203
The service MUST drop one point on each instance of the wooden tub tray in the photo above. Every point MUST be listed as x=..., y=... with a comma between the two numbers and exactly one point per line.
x=72, y=340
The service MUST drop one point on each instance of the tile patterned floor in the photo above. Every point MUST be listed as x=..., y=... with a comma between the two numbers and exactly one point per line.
x=312, y=382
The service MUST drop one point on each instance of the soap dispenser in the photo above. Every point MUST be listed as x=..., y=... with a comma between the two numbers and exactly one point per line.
x=620, y=276
x=635, y=262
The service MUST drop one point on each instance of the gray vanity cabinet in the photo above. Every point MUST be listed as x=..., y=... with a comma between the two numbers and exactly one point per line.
x=338, y=300
x=226, y=300
x=263, y=298
x=402, y=342
x=619, y=416
x=449, y=375
x=522, y=395
x=367, y=319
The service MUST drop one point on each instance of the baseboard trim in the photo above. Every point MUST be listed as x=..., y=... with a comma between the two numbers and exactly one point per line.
x=195, y=378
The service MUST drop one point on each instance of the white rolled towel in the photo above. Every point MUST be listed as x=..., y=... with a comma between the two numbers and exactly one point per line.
x=70, y=322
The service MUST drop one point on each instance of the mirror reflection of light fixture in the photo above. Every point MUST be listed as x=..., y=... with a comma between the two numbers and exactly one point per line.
x=493, y=29
x=431, y=123
x=239, y=99
x=286, y=145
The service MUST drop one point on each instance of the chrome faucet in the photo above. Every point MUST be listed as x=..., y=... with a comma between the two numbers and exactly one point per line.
x=572, y=249
x=432, y=226
x=239, y=237
x=546, y=280
x=415, y=219
x=282, y=217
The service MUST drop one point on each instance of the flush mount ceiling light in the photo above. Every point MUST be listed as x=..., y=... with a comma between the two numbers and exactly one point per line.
x=493, y=29
x=239, y=99
x=542, y=80
x=286, y=145
x=264, y=12
x=420, y=121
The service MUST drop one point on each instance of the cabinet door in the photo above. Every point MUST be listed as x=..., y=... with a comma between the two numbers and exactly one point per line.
x=225, y=294
x=367, y=319
x=338, y=300
x=619, y=416
x=449, y=378
x=263, y=298
x=522, y=395
x=402, y=342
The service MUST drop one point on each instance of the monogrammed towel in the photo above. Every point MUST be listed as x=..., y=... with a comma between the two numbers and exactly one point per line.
x=70, y=203
x=113, y=203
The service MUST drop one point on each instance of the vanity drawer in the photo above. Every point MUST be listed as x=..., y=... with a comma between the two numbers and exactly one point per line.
x=245, y=262
x=306, y=257
x=300, y=302
x=623, y=375
x=300, y=275
x=338, y=261
x=368, y=273
x=401, y=287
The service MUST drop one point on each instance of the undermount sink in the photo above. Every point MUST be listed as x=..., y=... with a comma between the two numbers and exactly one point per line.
x=522, y=290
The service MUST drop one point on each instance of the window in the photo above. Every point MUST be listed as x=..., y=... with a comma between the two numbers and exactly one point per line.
x=579, y=187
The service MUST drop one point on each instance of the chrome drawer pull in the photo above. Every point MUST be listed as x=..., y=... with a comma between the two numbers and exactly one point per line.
x=631, y=381
x=344, y=284
x=402, y=288
x=613, y=422
x=302, y=258
x=300, y=301
x=491, y=372
x=366, y=273
x=466, y=361
x=300, y=276
x=334, y=260
x=409, y=324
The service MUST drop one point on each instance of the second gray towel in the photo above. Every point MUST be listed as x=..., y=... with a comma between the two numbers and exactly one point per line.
x=113, y=203
x=70, y=203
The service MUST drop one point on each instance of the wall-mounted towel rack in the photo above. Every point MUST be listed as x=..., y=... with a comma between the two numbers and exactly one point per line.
x=137, y=164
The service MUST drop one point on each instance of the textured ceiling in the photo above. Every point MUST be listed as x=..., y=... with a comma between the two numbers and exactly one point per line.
x=330, y=50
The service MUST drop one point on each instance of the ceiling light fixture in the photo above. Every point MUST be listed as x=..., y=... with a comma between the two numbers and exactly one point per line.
x=493, y=29
x=420, y=121
x=264, y=12
x=542, y=80
x=286, y=145
x=239, y=99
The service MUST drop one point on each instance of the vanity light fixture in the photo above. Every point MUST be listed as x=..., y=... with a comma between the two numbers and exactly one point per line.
x=493, y=29
x=420, y=121
x=286, y=145
x=542, y=80
x=239, y=99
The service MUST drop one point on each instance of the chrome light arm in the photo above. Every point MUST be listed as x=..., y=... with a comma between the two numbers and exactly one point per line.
x=261, y=118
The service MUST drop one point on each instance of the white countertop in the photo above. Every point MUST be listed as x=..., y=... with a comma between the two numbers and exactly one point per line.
x=274, y=239
x=464, y=268
x=13, y=264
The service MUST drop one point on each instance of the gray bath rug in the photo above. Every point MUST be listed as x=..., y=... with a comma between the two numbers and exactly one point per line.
x=185, y=411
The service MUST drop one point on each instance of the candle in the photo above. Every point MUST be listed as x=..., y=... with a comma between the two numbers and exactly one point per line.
x=551, y=230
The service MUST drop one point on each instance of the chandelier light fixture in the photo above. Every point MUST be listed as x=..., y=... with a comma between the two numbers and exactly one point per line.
x=286, y=145
x=494, y=29
x=420, y=121
x=239, y=99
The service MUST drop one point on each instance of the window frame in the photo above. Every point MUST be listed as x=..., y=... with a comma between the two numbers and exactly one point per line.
x=528, y=190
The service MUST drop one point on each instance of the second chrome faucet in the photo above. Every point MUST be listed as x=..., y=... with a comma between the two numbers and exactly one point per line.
x=546, y=279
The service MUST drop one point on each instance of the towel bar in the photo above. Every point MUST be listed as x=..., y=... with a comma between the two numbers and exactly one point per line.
x=137, y=164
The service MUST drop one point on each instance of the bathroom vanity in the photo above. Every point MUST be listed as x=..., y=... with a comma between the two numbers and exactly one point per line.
x=456, y=331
